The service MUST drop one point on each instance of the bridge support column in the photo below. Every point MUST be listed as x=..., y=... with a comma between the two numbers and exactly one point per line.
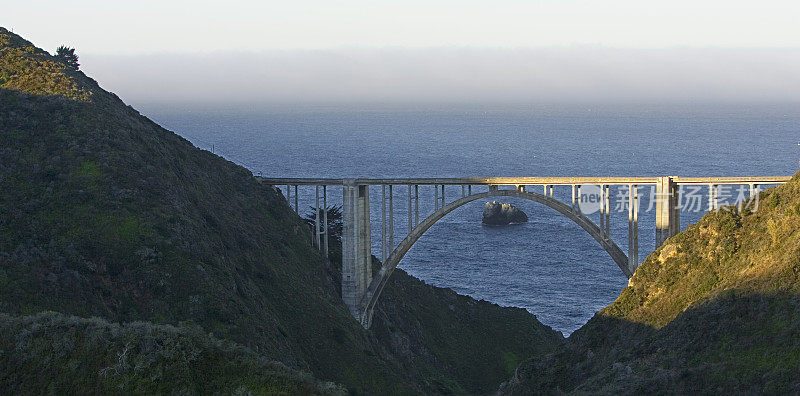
x=356, y=251
x=608, y=212
x=712, y=197
x=436, y=197
x=391, y=219
x=383, y=223
x=410, y=215
x=668, y=213
x=574, y=202
x=603, y=208
x=633, y=228
x=325, y=219
x=317, y=214
x=416, y=205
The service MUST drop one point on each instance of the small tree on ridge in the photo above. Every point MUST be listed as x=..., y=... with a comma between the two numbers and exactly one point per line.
x=67, y=55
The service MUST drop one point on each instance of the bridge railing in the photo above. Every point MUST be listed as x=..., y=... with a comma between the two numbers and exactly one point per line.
x=667, y=197
x=522, y=181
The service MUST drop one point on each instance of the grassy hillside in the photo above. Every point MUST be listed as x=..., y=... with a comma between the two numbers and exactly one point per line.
x=94, y=356
x=104, y=213
x=715, y=309
x=448, y=332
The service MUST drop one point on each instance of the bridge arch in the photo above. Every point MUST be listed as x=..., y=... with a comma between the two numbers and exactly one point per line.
x=378, y=282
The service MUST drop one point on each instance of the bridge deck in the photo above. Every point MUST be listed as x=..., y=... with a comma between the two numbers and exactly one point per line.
x=527, y=181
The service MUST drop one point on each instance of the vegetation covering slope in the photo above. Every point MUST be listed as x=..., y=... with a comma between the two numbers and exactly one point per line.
x=105, y=214
x=448, y=332
x=715, y=309
x=93, y=356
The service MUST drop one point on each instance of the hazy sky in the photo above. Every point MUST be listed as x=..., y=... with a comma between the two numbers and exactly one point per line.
x=109, y=26
x=457, y=75
x=426, y=50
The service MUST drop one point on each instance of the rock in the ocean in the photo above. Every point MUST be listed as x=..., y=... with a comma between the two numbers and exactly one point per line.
x=497, y=213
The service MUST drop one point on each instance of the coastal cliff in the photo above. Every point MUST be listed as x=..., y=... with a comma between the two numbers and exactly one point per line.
x=146, y=247
x=716, y=309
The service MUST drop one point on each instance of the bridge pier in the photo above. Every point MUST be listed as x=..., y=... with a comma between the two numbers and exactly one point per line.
x=383, y=223
x=410, y=215
x=317, y=214
x=356, y=248
x=391, y=217
x=713, y=191
x=416, y=205
x=325, y=220
x=668, y=211
x=633, y=228
x=608, y=212
x=603, y=208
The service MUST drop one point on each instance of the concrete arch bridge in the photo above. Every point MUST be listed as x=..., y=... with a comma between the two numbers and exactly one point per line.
x=361, y=289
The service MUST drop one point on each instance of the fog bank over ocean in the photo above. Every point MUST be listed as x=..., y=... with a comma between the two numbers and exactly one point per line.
x=454, y=75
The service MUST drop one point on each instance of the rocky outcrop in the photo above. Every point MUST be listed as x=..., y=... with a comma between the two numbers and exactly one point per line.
x=497, y=213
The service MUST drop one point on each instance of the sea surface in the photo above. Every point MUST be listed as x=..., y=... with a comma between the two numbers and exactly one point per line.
x=549, y=265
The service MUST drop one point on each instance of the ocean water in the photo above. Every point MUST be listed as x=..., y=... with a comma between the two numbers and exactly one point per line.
x=549, y=265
